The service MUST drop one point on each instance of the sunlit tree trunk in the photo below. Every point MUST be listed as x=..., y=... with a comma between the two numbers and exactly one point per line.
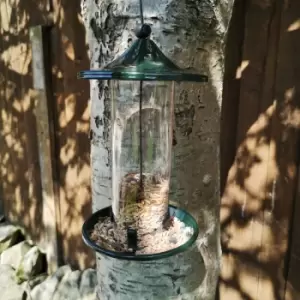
x=192, y=33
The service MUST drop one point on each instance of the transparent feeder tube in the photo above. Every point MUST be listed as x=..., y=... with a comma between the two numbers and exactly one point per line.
x=141, y=153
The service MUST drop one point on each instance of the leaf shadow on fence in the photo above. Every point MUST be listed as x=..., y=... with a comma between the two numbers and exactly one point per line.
x=20, y=170
x=259, y=161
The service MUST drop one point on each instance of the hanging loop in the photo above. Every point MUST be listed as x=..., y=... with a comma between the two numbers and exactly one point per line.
x=143, y=32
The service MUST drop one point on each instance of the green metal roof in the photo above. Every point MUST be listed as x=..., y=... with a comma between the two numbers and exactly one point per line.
x=143, y=61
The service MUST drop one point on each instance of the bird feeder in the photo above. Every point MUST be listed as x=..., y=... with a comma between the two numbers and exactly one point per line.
x=142, y=84
x=142, y=90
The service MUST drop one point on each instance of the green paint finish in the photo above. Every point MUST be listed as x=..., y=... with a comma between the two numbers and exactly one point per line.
x=143, y=61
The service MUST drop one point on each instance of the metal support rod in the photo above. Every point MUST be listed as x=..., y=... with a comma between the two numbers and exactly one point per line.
x=141, y=12
x=141, y=140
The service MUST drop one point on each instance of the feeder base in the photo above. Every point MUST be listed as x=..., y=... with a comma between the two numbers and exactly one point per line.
x=176, y=274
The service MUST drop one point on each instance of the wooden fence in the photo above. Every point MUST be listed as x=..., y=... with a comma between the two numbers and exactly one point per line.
x=259, y=144
x=22, y=179
x=260, y=201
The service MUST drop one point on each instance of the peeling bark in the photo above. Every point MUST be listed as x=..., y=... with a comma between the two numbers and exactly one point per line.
x=192, y=33
x=176, y=278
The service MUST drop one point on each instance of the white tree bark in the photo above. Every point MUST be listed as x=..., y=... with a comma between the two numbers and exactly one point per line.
x=177, y=278
x=192, y=33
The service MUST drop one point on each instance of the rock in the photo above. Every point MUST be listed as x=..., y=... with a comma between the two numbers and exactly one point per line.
x=33, y=282
x=67, y=285
x=9, y=236
x=32, y=264
x=46, y=290
x=88, y=284
x=90, y=297
x=68, y=288
x=8, y=287
x=14, y=255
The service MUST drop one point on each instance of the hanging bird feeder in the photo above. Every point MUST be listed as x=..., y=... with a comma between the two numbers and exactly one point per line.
x=142, y=98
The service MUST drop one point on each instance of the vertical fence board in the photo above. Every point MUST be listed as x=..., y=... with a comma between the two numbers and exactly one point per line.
x=254, y=233
x=71, y=95
x=288, y=115
x=231, y=89
x=45, y=141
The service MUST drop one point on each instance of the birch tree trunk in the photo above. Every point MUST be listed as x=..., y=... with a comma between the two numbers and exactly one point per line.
x=192, y=33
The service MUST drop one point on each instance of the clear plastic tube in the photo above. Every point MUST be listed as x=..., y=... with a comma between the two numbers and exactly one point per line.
x=141, y=153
